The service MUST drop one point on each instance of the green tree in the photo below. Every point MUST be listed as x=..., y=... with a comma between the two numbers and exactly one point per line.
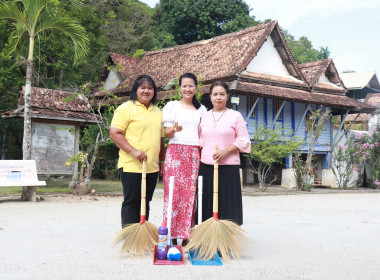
x=268, y=147
x=11, y=79
x=190, y=20
x=315, y=124
x=303, y=50
x=53, y=63
x=344, y=163
x=129, y=26
x=31, y=20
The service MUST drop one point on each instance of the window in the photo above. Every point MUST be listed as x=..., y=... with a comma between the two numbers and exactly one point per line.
x=251, y=101
x=277, y=106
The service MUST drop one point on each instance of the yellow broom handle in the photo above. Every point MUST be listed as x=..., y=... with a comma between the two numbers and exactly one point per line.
x=143, y=194
x=216, y=182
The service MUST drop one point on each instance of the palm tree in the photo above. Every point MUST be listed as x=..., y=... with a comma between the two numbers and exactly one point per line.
x=32, y=18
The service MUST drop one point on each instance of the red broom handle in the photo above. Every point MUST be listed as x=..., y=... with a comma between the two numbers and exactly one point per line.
x=143, y=194
x=216, y=183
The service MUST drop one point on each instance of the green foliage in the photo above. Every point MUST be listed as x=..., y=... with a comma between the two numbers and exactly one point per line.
x=190, y=21
x=303, y=50
x=268, y=147
x=315, y=124
x=344, y=163
x=367, y=151
x=138, y=53
x=11, y=79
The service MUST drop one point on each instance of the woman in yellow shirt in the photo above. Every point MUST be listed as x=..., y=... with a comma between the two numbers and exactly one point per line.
x=136, y=130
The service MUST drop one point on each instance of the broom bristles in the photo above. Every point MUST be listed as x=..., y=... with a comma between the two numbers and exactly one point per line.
x=137, y=240
x=211, y=235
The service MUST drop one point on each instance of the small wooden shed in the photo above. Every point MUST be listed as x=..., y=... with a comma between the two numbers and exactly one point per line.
x=55, y=128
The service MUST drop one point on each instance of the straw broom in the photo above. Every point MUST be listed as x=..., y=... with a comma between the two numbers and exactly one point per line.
x=140, y=238
x=214, y=234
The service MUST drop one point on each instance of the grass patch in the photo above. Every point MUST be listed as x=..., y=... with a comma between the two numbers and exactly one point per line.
x=62, y=186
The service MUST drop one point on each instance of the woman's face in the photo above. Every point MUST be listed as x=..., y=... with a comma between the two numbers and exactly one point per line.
x=188, y=88
x=219, y=98
x=145, y=93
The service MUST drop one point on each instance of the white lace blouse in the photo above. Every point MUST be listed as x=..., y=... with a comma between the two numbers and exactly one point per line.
x=188, y=119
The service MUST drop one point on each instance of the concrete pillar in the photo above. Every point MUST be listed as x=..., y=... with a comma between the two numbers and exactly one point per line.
x=328, y=178
x=288, y=178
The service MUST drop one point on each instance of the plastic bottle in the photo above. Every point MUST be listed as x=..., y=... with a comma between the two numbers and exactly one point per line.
x=162, y=242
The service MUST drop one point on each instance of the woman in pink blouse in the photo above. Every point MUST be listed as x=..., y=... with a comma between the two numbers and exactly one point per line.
x=226, y=128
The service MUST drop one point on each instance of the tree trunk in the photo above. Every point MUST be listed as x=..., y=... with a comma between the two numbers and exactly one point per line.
x=90, y=166
x=260, y=176
x=28, y=193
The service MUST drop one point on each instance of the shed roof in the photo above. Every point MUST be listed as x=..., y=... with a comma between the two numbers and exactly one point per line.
x=359, y=80
x=49, y=104
x=372, y=99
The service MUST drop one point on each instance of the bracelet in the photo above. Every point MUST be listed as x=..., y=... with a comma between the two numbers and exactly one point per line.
x=132, y=151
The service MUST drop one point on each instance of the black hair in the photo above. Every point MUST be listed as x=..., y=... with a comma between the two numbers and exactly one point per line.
x=225, y=86
x=196, y=103
x=138, y=82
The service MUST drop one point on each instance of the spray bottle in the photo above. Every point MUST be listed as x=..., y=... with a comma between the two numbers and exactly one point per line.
x=162, y=242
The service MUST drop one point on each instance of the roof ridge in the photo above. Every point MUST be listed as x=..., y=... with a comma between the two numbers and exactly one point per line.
x=314, y=62
x=214, y=39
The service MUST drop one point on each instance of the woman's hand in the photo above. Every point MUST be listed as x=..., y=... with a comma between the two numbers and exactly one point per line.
x=140, y=155
x=170, y=131
x=177, y=127
x=218, y=155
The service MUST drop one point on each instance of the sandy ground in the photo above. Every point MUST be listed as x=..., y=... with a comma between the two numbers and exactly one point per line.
x=320, y=236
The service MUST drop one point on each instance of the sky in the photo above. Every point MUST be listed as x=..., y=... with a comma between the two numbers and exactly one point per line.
x=349, y=28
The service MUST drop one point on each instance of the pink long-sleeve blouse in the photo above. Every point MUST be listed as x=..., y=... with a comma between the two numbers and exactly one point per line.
x=230, y=129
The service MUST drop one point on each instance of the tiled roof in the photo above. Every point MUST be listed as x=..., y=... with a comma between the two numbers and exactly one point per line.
x=373, y=99
x=273, y=79
x=358, y=80
x=52, y=99
x=126, y=63
x=303, y=96
x=315, y=69
x=51, y=114
x=217, y=58
x=329, y=87
x=351, y=117
x=48, y=104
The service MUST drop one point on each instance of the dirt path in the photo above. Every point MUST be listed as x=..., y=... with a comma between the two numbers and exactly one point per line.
x=322, y=236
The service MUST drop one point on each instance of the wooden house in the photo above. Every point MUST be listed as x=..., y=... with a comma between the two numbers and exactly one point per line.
x=363, y=86
x=268, y=86
x=55, y=128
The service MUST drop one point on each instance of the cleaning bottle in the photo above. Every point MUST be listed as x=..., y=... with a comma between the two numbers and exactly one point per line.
x=162, y=242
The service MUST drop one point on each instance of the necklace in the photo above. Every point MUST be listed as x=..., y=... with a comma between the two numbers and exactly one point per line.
x=215, y=121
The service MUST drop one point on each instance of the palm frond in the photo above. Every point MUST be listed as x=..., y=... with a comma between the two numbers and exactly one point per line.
x=9, y=10
x=33, y=9
x=18, y=37
x=34, y=12
x=69, y=28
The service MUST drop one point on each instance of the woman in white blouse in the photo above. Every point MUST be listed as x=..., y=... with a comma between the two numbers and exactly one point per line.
x=181, y=121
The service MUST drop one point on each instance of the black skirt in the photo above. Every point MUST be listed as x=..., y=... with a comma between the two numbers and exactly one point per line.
x=230, y=199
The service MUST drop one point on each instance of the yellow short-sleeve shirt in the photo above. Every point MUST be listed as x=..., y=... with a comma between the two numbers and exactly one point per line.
x=142, y=129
